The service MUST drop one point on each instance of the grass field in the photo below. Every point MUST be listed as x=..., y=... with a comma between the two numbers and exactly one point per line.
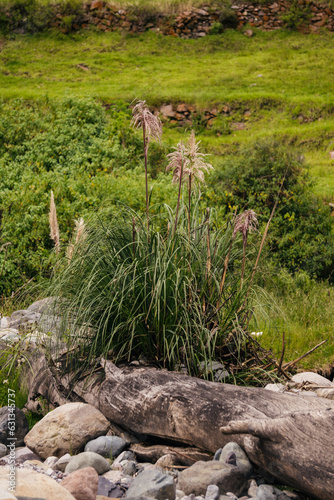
x=280, y=78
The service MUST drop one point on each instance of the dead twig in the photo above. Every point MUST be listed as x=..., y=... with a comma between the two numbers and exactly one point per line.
x=292, y=363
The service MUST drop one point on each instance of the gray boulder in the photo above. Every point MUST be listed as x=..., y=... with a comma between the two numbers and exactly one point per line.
x=105, y=486
x=218, y=370
x=4, y=322
x=154, y=484
x=129, y=467
x=24, y=320
x=88, y=459
x=212, y=492
x=23, y=454
x=41, y=306
x=268, y=492
x=197, y=478
x=242, y=460
x=107, y=446
x=18, y=314
x=311, y=377
x=61, y=464
x=125, y=455
x=275, y=387
x=66, y=430
x=50, y=323
x=9, y=334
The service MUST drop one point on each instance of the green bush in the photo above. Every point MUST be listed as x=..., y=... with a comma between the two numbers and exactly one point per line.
x=172, y=287
x=228, y=18
x=73, y=149
x=32, y=16
x=216, y=28
x=296, y=15
x=127, y=292
x=29, y=16
x=301, y=234
x=13, y=376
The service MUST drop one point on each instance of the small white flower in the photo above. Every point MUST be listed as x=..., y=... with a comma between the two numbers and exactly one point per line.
x=257, y=334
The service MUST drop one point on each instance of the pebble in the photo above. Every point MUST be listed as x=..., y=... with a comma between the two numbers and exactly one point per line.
x=153, y=480
x=107, y=446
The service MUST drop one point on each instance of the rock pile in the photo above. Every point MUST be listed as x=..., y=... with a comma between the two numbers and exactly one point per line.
x=184, y=114
x=198, y=22
x=268, y=17
x=54, y=466
x=36, y=321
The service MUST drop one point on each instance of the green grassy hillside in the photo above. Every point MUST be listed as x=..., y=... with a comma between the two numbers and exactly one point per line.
x=277, y=84
x=280, y=80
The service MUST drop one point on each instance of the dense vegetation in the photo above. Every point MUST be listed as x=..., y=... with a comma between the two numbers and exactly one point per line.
x=86, y=157
x=87, y=154
x=291, y=101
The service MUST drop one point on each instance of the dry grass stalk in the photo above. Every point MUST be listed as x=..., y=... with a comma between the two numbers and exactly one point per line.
x=178, y=164
x=197, y=165
x=54, y=229
x=245, y=223
x=187, y=162
x=80, y=230
x=152, y=129
x=79, y=235
x=196, y=169
x=143, y=118
x=208, y=263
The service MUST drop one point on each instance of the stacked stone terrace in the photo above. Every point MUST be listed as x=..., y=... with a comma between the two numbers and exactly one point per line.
x=198, y=22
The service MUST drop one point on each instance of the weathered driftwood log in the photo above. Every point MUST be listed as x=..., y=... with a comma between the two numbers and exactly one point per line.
x=291, y=437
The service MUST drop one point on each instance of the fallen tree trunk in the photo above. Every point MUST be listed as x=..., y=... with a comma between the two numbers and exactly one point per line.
x=291, y=437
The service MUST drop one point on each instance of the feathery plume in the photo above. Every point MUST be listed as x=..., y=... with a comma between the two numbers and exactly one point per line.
x=197, y=163
x=80, y=230
x=245, y=223
x=178, y=163
x=152, y=129
x=143, y=118
x=54, y=229
x=79, y=235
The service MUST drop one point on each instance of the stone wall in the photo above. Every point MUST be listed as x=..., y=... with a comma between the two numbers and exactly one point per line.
x=199, y=22
x=269, y=17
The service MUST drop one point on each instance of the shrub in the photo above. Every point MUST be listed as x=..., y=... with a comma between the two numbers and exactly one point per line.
x=29, y=16
x=228, y=18
x=67, y=147
x=301, y=235
x=297, y=15
x=133, y=293
x=172, y=287
x=216, y=28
